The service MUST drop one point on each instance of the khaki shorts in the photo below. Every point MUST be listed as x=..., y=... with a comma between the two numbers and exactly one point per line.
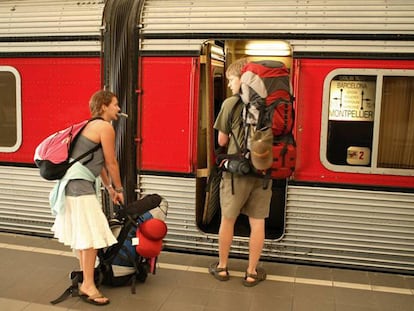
x=249, y=197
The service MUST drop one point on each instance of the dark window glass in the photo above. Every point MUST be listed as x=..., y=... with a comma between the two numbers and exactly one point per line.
x=8, y=108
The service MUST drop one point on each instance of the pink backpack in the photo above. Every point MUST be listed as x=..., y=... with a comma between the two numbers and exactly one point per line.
x=52, y=155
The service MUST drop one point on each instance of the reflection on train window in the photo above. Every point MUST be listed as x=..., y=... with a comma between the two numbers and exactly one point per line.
x=10, y=118
x=368, y=124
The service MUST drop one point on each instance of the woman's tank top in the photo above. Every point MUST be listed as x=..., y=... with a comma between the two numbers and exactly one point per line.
x=94, y=162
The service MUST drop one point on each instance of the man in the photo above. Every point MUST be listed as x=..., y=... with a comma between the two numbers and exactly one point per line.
x=239, y=193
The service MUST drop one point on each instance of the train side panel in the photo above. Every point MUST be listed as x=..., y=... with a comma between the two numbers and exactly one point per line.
x=309, y=93
x=168, y=104
x=55, y=92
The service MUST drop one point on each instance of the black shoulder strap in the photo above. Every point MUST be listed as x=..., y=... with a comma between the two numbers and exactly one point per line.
x=107, y=256
x=72, y=290
x=93, y=149
x=230, y=123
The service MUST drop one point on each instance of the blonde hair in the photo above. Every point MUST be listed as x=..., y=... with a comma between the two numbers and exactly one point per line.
x=98, y=99
x=235, y=68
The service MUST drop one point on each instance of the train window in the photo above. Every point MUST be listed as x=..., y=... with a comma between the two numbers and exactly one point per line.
x=368, y=121
x=396, y=133
x=10, y=109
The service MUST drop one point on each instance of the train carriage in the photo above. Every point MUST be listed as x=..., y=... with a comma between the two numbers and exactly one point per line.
x=350, y=201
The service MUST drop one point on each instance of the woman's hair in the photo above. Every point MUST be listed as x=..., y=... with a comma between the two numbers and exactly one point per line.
x=99, y=99
x=235, y=68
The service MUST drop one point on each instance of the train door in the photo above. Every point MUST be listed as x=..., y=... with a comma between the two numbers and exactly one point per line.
x=213, y=90
x=212, y=93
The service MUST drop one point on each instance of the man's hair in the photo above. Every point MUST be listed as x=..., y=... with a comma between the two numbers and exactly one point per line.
x=99, y=99
x=235, y=68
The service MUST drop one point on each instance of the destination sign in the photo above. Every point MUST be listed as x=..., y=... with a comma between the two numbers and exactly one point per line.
x=352, y=100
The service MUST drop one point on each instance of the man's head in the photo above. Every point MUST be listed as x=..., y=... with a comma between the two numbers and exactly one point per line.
x=233, y=74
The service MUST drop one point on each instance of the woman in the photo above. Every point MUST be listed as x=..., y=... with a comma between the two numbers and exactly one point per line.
x=81, y=224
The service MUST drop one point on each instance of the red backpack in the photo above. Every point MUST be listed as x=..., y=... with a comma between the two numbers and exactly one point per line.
x=266, y=93
x=52, y=155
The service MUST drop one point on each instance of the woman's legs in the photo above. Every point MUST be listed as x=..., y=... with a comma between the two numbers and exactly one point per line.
x=87, y=258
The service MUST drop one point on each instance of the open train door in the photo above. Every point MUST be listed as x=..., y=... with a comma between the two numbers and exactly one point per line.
x=212, y=94
x=213, y=90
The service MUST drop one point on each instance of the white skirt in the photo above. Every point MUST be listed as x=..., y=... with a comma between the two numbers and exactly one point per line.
x=83, y=224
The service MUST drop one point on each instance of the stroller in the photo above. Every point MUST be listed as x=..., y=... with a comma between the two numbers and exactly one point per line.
x=139, y=229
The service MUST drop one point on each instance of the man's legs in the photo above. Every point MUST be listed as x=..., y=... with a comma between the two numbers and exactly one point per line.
x=257, y=235
x=226, y=233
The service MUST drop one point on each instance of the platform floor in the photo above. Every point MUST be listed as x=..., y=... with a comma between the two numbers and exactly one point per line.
x=34, y=271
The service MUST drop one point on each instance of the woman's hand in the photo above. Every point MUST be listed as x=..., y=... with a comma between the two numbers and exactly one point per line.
x=117, y=197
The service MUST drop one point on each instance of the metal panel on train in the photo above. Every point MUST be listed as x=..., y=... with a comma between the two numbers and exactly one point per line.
x=29, y=26
x=319, y=21
x=168, y=114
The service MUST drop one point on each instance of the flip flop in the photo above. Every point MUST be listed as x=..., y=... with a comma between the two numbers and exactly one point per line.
x=258, y=277
x=92, y=299
x=215, y=271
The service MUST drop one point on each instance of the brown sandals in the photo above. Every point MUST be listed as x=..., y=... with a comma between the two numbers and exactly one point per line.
x=92, y=299
x=215, y=271
x=258, y=277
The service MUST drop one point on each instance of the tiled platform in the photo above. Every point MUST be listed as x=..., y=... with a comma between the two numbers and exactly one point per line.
x=35, y=270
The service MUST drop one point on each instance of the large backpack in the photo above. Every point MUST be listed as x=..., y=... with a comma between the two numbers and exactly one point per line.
x=135, y=254
x=52, y=155
x=266, y=94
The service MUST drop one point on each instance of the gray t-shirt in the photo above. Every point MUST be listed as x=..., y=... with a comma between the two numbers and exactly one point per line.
x=94, y=162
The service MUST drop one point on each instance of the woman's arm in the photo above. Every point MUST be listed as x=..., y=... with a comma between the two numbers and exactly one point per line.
x=107, y=138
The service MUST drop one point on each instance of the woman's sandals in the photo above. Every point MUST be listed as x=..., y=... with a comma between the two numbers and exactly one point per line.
x=215, y=271
x=94, y=299
x=258, y=277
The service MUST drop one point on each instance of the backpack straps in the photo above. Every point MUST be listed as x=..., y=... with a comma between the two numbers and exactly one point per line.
x=229, y=124
x=246, y=128
x=92, y=150
x=72, y=290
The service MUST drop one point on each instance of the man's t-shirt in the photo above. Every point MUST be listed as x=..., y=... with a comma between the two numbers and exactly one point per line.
x=222, y=123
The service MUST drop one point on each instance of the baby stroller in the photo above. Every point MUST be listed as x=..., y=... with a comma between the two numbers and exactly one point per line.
x=139, y=229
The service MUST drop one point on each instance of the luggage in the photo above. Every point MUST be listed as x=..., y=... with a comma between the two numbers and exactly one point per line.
x=268, y=110
x=139, y=228
x=265, y=88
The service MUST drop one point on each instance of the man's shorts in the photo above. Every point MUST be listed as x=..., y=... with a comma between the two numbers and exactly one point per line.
x=249, y=197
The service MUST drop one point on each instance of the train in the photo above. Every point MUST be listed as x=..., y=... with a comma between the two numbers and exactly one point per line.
x=350, y=200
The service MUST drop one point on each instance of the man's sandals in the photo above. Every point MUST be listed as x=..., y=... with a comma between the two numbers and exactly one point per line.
x=258, y=277
x=94, y=299
x=215, y=271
